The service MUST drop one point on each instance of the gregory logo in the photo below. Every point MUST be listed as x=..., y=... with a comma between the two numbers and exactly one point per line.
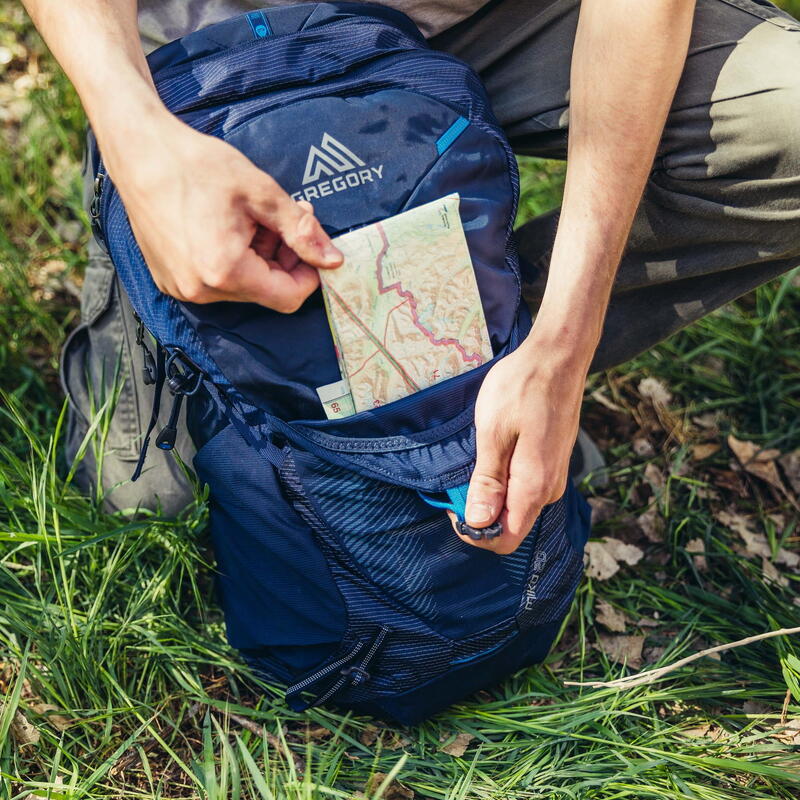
x=331, y=168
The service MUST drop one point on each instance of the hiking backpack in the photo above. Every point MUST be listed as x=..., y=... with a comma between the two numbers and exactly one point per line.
x=338, y=569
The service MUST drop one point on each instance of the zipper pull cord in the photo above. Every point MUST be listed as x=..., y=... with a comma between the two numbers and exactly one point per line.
x=169, y=433
x=160, y=373
x=148, y=362
x=182, y=381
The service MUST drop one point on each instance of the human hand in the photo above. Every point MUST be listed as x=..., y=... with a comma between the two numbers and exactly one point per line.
x=212, y=226
x=526, y=420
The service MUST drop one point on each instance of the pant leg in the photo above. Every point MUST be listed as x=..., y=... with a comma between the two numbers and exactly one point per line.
x=720, y=213
x=99, y=352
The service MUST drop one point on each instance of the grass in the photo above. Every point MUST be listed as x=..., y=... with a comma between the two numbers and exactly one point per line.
x=116, y=678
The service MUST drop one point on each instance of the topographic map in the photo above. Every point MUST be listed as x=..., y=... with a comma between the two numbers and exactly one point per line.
x=404, y=308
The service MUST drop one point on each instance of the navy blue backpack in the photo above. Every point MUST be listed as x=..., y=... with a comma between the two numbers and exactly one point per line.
x=337, y=575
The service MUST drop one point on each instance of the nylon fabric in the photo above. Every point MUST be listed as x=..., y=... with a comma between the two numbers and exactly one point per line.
x=334, y=573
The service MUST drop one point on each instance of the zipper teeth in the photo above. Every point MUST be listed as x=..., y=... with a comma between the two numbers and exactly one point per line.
x=297, y=687
x=375, y=645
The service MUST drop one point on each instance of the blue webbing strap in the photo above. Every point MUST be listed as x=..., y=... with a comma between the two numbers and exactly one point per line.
x=451, y=134
x=456, y=500
x=457, y=503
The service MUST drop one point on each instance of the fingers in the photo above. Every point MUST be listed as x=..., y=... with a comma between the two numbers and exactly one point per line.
x=271, y=207
x=268, y=284
x=487, y=487
x=513, y=488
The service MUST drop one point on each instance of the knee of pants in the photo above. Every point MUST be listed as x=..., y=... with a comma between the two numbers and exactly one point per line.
x=755, y=112
x=749, y=156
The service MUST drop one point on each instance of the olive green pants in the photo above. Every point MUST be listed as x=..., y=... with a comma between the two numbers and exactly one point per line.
x=720, y=213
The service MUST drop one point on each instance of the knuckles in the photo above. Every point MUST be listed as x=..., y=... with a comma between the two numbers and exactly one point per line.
x=287, y=305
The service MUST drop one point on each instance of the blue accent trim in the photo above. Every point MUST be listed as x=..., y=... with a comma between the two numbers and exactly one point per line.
x=259, y=25
x=451, y=134
x=457, y=495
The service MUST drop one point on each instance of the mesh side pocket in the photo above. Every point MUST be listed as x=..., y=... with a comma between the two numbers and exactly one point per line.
x=410, y=552
x=554, y=572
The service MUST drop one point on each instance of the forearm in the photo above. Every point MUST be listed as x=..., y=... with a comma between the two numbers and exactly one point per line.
x=627, y=60
x=97, y=44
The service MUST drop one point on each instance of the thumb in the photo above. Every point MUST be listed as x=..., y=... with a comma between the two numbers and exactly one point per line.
x=296, y=224
x=489, y=482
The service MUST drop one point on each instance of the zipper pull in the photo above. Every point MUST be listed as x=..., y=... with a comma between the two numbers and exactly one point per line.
x=94, y=208
x=149, y=373
x=182, y=381
x=168, y=434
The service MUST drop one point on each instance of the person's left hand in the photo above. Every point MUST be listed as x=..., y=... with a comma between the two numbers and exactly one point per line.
x=526, y=419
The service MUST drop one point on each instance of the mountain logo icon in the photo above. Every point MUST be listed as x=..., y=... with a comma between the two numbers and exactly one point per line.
x=330, y=158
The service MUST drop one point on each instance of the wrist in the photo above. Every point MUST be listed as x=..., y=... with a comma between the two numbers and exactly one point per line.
x=560, y=343
x=132, y=141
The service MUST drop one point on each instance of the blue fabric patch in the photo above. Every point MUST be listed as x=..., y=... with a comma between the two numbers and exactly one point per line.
x=259, y=25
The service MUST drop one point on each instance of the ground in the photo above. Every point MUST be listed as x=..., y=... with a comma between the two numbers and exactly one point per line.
x=116, y=677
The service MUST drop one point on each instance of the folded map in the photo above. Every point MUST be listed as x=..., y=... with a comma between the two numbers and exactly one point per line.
x=404, y=308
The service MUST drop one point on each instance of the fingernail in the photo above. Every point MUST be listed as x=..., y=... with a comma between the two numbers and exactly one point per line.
x=330, y=255
x=479, y=513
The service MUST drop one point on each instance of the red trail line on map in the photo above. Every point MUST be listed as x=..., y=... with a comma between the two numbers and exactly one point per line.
x=412, y=303
x=374, y=353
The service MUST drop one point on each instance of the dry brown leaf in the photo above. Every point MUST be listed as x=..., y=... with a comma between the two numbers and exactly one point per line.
x=651, y=655
x=698, y=548
x=743, y=450
x=604, y=557
x=755, y=707
x=707, y=421
x=652, y=524
x=397, y=741
x=394, y=791
x=790, y=464
x=770, y=573
x=369, y=735
x=23, y=732
x=655, y=391
x=655, y=477
x=458, y=746
x=643, y=448
x=58, y=721
x=622, y=649
x=629, y=553
x=789, y=733
x=700, y=452
x=707, y=731
x=756, y=544
x=318, y=733
x=603, y=509
x=613, y=619
x=756, y=461
x=601, y=565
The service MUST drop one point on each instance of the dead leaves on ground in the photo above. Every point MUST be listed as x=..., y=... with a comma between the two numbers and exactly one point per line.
x=758, y=461
x=394, y=791
x=604, y=557
x=622, y=649
x=666, y=447
x=456, y=746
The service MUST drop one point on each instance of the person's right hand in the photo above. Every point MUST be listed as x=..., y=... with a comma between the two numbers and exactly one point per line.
x=211, y=225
